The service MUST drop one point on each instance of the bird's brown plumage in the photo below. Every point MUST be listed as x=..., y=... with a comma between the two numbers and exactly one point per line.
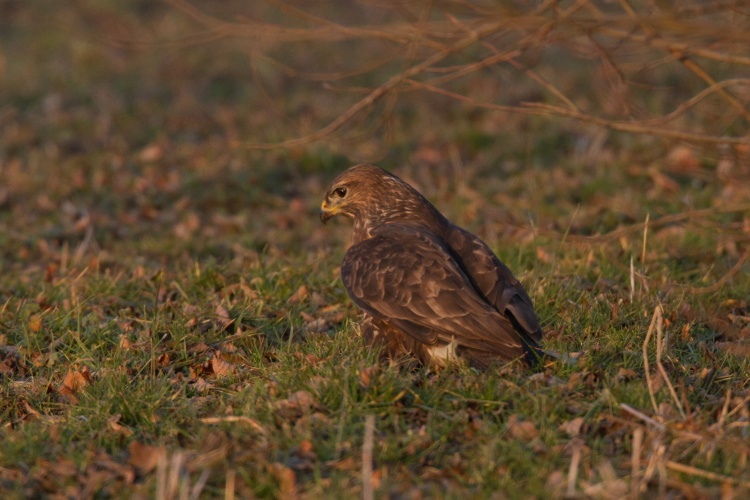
x=426, y=286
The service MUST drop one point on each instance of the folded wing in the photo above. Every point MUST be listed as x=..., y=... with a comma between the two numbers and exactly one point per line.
x=408, y=277
x=495, y=281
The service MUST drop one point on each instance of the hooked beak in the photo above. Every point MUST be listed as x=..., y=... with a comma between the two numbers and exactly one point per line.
x=326, y=212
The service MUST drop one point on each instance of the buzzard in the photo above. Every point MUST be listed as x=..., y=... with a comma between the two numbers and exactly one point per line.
x=426, y=286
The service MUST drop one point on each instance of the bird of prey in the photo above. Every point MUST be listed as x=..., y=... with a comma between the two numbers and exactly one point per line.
x=426, y=286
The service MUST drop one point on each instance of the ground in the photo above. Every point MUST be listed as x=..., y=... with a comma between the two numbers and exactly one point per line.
x=171, y=316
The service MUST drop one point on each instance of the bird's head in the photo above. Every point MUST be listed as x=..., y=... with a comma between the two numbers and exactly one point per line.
x=371, y=196
x=356, y=193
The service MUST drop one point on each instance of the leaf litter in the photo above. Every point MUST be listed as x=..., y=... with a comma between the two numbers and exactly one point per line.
x=167, y=259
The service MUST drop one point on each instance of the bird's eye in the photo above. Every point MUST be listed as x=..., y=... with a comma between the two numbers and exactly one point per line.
x=340, y=192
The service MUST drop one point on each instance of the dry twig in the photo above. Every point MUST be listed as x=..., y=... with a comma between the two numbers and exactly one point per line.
x=584, y=30
x=254, y=424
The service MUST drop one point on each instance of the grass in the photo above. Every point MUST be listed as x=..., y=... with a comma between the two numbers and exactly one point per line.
x=172, y=320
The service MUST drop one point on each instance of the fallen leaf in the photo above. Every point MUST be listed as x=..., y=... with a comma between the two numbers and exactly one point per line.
x=199, y=348
x=345, y=464
x=125, y=344
x=31, y=413
x=317, y=325
x=740, y=348
x=223, y=316
x=542, y=255
x=286, y=478
x=163, y=359
x=6, y=367
x=229, y=347
x=521, y=429
x=110, y=467
x=572, y=427
x=35, y=323
x=145, y=457
x=295, y=406
x=625, y=374
x=114, y=424
x=201, y=385
x=301, y=294
x=582, y=378
x=555, y=483
x=366, y=375
x=151, y=153
x=664, y=183
x=221, y=368
x=73, y=382
x=683, y=159
x=306, y=447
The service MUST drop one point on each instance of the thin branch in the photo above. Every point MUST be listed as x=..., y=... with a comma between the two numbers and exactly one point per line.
x=713, y=476
x=721, y=281
x=622, y=126
x=660, y=344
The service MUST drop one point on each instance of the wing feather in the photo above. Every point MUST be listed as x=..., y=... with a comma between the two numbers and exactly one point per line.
x=406, y=276
x=494, y=281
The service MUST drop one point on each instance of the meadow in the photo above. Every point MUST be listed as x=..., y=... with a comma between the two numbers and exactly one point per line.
x=172, y=322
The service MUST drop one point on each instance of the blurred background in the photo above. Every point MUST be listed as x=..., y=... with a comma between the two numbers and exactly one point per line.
x=220, y=123
x=163, y=268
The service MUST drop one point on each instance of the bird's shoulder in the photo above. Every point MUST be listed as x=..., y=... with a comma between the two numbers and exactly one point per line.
x=405, y=240
x=398, y=251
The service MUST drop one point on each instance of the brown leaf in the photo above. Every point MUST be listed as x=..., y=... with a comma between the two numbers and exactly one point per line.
x=740, y=348
x=6, y=367
x=625, y=374
x=73, y=382
x=223, y=316
x=365, y=376
x=31, y=413
x=35, y=323
x=221, y=368
x=199, y=348
x=151, y=153
x=286, y=478
x=163, y=359
x=683, y=159
x=145, y=457
x=664, y=183
x=50, y=273
x=201, y=385
x=228, y=348
x=301, y=294
x=542, y=255
x=330, y=309
x=111, y=469
x=345, y=464
x=114, y=424
x=572, y=427
x=310, y=358
x=582, y=378
x=306, y=447
x=317, y=325
x=555, y=483
x=295, y=406
x=125, y=344
x=521, y=429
